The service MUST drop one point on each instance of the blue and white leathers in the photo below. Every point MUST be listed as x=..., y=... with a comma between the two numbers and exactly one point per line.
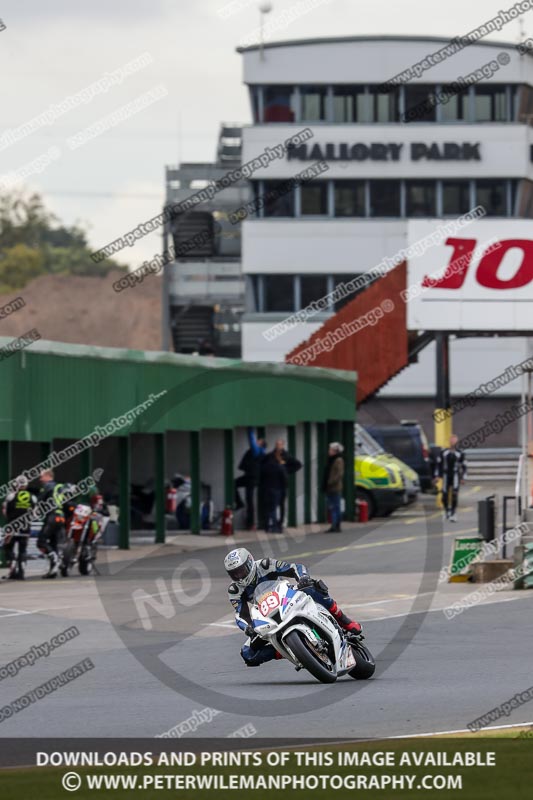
x=267, y=569
x=241, y=598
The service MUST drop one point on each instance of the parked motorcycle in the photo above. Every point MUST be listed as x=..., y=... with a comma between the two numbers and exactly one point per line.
x=306, y=634
x=84, y=531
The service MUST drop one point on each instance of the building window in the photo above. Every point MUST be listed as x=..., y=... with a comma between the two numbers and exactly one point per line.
x=513, y=197
x=490, y=104
x=314, y=198
x=492, y=195
x=350, y=104
x=254, y=97
x=421, y=198
x=420, y=102
x=384, y=106
x=279, y=104
x=385, y=199
x=278, y=197
x=349, y=198
x=524, y=105
x=254, y=293
x=455, y=197
x=312, y=287
x=257, y=193
x=454, y=105
x=345, y=296
x=525, y=199
x=278, y=292
x=313, y=103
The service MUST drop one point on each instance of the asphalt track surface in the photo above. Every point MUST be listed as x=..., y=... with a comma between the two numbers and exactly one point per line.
x=154, y=668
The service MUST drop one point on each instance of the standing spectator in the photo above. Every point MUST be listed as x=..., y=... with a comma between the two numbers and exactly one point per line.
x=292, y=465
x=250, y=464
x=19, y=504
x=274, y=480
x=451, y=467
x=53, y=530
x=332, y=485
x=273, y=487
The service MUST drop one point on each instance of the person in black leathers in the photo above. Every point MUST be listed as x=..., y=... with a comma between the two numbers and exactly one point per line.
x=272, y=490
x=275, y=470
x=52, y=533
x=19, y=504
x=250, y=465
x=291, y=465
x=451, y=467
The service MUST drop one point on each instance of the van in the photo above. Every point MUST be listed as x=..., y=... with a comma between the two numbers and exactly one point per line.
x=365, y=443
x=380, y=485
x=407, y=441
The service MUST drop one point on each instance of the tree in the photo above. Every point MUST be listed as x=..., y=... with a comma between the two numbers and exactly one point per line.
x=47, y=246
x=19, y=265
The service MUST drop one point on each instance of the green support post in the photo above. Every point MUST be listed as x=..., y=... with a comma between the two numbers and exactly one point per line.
x=334, y=427
x=5, y=463
x=124, y=491
x=292, y=520
x=86, y=463
x=229, y=459
x=307, y=474
x=159, y=459
x=349, y=470
x=322, y=453
x=195, y=481
x=260, y=431
x=86, y=466
x=5, y=477
x=46, y=449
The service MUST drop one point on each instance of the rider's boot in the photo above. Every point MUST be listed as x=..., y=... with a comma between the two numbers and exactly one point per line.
x=54, y=566
x=345, y=622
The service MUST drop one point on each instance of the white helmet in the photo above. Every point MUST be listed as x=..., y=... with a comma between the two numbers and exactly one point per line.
x=240, y=566
x=21, y=482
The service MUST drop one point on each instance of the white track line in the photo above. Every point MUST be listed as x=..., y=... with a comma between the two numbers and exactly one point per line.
x=461, y=730
x=388, y=600
x=14, y=612
x=231, y=624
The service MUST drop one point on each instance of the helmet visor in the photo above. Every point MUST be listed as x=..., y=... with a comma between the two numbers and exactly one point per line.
x=240, y=572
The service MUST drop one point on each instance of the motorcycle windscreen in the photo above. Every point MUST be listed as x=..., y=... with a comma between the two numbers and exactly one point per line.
x=264, y=588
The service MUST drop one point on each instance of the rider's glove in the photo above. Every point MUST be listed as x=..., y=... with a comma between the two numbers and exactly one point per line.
x=249, y=631
x=321, y=587
x=305, y=582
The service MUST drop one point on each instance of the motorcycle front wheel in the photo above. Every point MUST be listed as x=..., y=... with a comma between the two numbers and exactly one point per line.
x=319, y=666
x=365, y=666
x=85, y=563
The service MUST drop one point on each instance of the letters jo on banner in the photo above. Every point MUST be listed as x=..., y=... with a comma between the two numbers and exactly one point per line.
x=481, y=281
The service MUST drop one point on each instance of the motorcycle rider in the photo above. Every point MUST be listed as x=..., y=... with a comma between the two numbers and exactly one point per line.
x=247, y=574
x=451, y=467
x=53, y=531
x=18, y=504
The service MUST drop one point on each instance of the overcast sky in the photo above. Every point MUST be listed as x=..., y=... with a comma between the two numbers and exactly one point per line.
x=53, y=49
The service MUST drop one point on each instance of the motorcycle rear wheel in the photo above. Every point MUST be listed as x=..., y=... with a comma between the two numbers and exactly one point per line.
x=365, y=666
x=308, y=659
x=67, y=558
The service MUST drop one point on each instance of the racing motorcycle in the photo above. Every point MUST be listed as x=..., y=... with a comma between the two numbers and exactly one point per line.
x=306, y=634
x=86, y=527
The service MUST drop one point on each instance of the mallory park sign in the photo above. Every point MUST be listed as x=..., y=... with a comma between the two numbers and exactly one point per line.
x=377, y=151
